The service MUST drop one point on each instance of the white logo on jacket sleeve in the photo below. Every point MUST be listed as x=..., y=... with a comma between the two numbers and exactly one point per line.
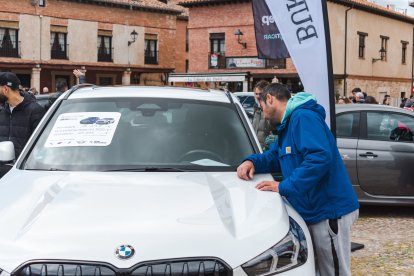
x=288, y=150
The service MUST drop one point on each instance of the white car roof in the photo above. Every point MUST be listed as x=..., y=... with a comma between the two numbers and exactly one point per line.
x=152, y=92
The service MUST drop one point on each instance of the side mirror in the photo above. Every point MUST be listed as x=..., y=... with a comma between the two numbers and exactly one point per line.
x=6, y=152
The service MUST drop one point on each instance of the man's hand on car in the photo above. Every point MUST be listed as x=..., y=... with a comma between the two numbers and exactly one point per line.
x=246, y=170
x=268, y=186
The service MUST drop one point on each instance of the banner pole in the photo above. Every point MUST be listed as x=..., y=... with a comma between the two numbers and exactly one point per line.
x=332, y=98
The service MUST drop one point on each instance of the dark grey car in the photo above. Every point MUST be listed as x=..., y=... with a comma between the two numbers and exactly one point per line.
x=376, y=144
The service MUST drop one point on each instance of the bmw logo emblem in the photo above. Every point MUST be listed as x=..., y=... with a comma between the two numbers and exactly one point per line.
x=125, y=252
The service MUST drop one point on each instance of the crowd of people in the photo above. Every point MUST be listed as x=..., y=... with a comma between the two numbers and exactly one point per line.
x=359, y=97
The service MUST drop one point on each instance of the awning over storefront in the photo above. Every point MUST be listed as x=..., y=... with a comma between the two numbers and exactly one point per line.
x=208, y=77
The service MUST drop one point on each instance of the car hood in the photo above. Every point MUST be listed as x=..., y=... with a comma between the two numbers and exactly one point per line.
x=86, y=216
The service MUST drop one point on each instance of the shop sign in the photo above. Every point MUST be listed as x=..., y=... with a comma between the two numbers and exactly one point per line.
x=213, y=60
x=245, y=62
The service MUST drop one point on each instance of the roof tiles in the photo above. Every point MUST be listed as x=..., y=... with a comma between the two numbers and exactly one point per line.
x=358, y=3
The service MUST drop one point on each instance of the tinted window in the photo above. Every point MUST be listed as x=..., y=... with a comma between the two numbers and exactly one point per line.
x=347, y=125
x=120, y=133
x=246, y=101
x=42, y=100
x=386, y=126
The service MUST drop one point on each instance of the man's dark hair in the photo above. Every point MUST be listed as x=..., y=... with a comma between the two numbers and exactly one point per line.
x=356, y=89
x=277, y=90
x=365, y=95
x=261, y=85
x=61, y=86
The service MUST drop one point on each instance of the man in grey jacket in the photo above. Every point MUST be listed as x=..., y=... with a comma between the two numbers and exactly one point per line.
x=260, y=125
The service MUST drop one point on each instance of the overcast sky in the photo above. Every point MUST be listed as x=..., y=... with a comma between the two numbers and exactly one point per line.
x=402, y=4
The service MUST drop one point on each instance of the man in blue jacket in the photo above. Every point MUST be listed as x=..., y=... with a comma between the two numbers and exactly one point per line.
x=315, y=180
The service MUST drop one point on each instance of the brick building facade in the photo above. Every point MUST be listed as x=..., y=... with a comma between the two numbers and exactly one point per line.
x=212, y=22
x=218, y=20
x=43, y=41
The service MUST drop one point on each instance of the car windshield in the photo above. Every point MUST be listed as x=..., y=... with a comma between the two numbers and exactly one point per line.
x=141, y=134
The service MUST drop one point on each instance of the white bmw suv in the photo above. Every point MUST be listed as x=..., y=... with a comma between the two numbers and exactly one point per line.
x=120, y=181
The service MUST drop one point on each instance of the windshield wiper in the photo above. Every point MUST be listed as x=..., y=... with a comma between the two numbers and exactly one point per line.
x=48, y=169
x=153, y=169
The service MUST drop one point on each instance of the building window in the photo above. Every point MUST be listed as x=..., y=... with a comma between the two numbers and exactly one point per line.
x=105, y=48
x=217, y=55
x=361, y=47
x=384, y=47
x=404, y=51
x=217, y=43
x=187, y=65
x=103, y=81
x=9, y=43
x=42, y=3
x=59, y=46
x=151, y=53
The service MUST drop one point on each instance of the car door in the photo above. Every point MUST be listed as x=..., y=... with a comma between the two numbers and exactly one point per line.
x=347, y=132
x=385, y=154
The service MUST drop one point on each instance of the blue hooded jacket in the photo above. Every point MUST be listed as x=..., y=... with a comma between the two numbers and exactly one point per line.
x=315, y=180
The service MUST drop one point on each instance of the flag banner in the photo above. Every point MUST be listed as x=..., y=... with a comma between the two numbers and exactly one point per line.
x=305, y=29
x=269, y=42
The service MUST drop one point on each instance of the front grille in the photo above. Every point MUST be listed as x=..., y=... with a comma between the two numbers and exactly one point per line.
x=64, y=269
x=182, y=268
x=179, y=267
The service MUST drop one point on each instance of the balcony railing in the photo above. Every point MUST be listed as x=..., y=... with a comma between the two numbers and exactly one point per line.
x=151, y=57
x=217, y=60
x=105, y=54
x=58, y=52
x=10, y=51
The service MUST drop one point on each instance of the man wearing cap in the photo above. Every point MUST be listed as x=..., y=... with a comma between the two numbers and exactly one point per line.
x=359, y=98
x=19, y=115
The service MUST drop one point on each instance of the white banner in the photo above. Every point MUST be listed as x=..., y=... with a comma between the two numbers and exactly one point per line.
x=302, y=25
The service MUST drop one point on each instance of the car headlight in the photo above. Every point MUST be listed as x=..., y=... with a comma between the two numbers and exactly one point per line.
x=290, y=252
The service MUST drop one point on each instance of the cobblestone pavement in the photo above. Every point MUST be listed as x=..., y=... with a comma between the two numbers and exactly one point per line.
x=388, y=236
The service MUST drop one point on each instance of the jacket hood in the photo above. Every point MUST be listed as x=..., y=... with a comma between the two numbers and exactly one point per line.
x=302, y=100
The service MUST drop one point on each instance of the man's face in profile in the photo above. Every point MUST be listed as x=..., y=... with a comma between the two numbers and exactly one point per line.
x=257, y=94
x=3, y=98
x=273, y=109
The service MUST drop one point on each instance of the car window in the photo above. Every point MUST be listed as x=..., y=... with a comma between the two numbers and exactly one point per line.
x=246, y=101
x=347, y=125
x=104, y=134
x=387, y=126
x=42, y=100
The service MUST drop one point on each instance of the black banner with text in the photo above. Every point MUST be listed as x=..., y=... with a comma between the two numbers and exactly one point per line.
x=269, y=41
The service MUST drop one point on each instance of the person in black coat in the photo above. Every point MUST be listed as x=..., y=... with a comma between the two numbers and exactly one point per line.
x=19, y=113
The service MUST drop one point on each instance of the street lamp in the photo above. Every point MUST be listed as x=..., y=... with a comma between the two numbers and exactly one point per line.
x=134, y=36
x=239, y=34
x=382, y=52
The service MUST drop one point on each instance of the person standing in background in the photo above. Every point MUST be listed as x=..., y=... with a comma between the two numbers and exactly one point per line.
x=19, y=115
x=260, y=125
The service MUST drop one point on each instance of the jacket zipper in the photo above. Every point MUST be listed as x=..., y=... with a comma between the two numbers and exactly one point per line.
x=10, y=126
